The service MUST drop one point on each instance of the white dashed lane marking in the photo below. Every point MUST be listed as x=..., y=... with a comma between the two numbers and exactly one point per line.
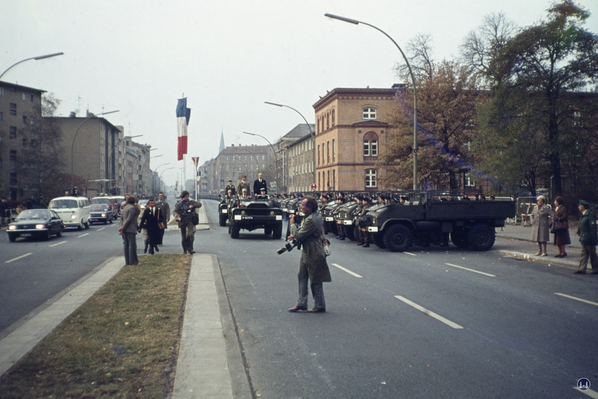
x=575, y=298
x=470, y=270
x=347, y=270
x=18, y=257
x=429, y=313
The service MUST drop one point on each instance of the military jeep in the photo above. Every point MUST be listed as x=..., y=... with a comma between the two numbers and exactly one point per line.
x=255, y=213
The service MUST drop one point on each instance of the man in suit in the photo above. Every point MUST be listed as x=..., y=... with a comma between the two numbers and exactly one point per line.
x=244, y=185
x=164, y=214
x=259, y=184
x=230, y=189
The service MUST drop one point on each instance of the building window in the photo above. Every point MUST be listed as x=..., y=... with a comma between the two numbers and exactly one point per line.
x=1, y=91
x=327, y=121
x=12, y=132
x=13, y=108
x=369, y=113
x=328, y=179
x=318, y=155
x=370, y=144
x=24, y=142
x=333, y=152
x=1, y=116
x=366, y=148
x=24, y=119
x=319, y=185
x=328, y=151
x=24, y=97
x=374, y=148
x=333, y=117
x=333, y=178
x=13, y=155
x=370, y=178
x=13, y=179
x=32, y=98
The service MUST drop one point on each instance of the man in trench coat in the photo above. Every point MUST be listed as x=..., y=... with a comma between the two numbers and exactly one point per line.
x=313, y=264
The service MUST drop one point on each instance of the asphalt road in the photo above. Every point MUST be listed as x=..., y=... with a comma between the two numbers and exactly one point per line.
x=434, y=323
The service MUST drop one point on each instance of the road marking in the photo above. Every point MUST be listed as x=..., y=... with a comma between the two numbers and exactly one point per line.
x=100, y=229
x=409, y=253
x=347, y=271
x=83, y=235
x=577, y=299
x=58, y=243
x=470, y=270
x=19, y=257
x=589, y=392
x=429, y=313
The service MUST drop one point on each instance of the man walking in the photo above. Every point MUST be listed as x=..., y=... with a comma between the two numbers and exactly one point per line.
x=259, y=184
x=588, y=238
x=185, y=209
x=164, y=214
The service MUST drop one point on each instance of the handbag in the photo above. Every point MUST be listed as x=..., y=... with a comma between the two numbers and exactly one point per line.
x=552, y=230
x=327, y=247
x=560, y=225
x=195, y=219
x=160, y=224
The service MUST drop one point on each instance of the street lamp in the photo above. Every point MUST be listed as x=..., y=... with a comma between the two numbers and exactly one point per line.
x=160, y=178
x=313, y=135
x=40, y=57
x=275, y=157
x=73, y=143
x=356, y=22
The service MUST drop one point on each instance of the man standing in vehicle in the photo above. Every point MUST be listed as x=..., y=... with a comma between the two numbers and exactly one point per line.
x=244, y=185
x=260, y=184
x=185, y=209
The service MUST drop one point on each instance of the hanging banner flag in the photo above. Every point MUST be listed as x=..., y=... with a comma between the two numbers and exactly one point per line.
x=182, y=115
x=195, y=161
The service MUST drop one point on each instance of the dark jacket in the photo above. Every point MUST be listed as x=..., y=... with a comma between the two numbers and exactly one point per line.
x=257, y=186
x=185, y=213
x=587, y=228
x=150, y=219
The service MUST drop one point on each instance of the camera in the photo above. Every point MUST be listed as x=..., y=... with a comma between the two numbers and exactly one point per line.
x=288, y=246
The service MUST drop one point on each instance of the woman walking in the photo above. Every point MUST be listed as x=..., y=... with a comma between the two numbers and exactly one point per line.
x=561, y=227
x=541, y=224
x=149, y=221
x=128, y=230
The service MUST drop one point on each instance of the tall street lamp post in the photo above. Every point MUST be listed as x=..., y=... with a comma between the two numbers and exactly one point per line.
x=73, y=143
x=275, y=157
x=39, y=57
x=160, y=178
x=356, y=22
x=313, y=135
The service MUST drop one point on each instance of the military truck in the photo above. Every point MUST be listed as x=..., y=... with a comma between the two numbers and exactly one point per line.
x=429, y=217
x=255, y=213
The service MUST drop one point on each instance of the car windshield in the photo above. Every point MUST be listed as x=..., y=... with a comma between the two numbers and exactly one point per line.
x=143, y=202
x=63, y=204
x=101, y=201
x=99, y=207
x=33, y=214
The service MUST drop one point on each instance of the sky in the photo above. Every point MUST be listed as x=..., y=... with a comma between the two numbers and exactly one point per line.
x=227, y=57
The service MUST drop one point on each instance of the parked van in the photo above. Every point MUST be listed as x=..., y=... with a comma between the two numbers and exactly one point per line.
x=74, y=211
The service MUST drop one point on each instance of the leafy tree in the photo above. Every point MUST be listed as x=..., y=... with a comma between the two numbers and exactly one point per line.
x=41, y=160
x=447, y=98
x=534, y=77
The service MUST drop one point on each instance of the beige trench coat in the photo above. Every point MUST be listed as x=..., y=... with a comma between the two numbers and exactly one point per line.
x=313, y=258
x=541, y=223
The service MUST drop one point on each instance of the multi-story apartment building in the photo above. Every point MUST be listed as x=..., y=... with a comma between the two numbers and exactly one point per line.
x=141, y=178
x=299, y=132
x=19, y=106
x=98, y=153
x=235, y=161
x=300, y=156
x=352, y=129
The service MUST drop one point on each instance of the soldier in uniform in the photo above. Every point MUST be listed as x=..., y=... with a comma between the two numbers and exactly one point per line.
x=339, y=224
x=230, y=189
x=185, y=209
x=244, y=194
x=363, y=234
x=244, y=185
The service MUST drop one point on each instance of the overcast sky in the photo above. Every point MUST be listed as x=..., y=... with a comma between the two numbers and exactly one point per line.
x=227, y=57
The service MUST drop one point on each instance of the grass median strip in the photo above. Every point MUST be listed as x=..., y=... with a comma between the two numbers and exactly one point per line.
x=123, y=342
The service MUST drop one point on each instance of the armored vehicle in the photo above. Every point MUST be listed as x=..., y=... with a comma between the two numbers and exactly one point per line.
x=255, y=213
x=344, y=214
x=429, y=217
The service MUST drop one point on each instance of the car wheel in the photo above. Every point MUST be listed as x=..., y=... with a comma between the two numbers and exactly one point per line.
x=12, y=237
x=86, y=224
x=277, y=231
x=481, y=237
x=350, y=232
x=234, y=231
x=80, y=227
x=106, y=221
x=48, y=235
x=59, y=233
x=398, y=238
x=111, y=220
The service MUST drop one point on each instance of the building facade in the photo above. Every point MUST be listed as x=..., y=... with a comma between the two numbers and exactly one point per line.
x=300, y=156
x=352, y=130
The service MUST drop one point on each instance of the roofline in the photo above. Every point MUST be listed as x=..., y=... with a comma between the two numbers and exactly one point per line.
x=359, y=91
x=21, y=87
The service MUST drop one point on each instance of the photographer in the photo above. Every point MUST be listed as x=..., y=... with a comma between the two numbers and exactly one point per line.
x=185, y=209
x=313, y=259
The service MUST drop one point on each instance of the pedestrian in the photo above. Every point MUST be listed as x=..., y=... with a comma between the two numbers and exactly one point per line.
x=149, y=221
x=588, y=237
x=561, y=227
x=185, y=210
x=313, y=264
x=541, y=224
x=244, y=185
x=164, y=208
x=260, y=184
x=128, y=230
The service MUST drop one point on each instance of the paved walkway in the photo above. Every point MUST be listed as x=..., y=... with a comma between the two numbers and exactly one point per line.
x=210, y=364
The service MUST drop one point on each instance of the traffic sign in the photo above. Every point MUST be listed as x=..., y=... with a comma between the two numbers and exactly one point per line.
x=314, y=186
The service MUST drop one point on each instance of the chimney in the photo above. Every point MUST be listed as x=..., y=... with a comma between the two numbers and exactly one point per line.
x=72, y=114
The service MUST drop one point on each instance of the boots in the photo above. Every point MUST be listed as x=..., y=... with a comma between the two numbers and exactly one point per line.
x=367, y=244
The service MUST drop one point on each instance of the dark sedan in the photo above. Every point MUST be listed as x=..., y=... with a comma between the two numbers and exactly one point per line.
x=100, y=213
x=35, y=223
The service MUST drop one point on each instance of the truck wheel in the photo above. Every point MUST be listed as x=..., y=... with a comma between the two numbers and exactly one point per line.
x=222, y=220
x=351, y=233
x=234, y=230
x=379, y=240
x=459, y=238
x=397, y=238
x=277, y=232
x=267, y=230
x=481, y=237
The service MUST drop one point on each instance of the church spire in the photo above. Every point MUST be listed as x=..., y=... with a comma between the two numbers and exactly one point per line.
x=222, y=147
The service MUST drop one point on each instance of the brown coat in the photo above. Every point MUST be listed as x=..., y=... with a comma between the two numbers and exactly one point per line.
x=313, y=258
x=541, y=223
x=561, y=237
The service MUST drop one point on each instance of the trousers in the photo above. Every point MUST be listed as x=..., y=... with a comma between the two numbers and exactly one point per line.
x=588, y=251
x=317, y=290
x=130, y=242
x=187, y=234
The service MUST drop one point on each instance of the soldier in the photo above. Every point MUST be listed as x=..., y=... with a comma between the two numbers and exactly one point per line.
x=244, y=185
x=244, y=194
x=263, y=194
x=185, y=210
x=230, y=189
x=363, y=234
x=339, y=224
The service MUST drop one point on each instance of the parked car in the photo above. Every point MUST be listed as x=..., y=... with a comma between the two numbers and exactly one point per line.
x=35, y=223
x=101, y=213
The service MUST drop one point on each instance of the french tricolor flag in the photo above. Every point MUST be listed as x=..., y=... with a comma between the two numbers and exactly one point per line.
x=182, y=116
